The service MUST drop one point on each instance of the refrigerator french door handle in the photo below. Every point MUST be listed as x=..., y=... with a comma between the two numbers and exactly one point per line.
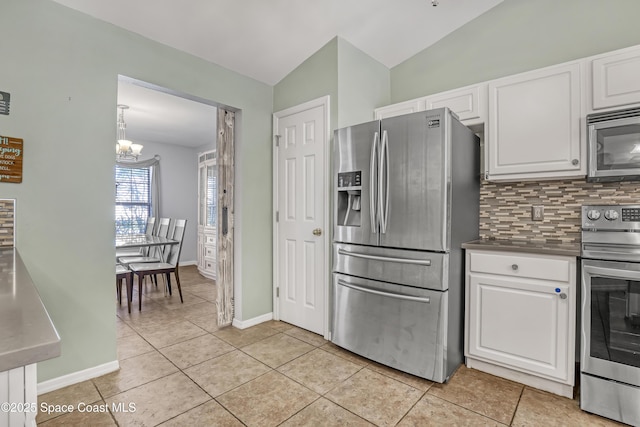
x=383, y=182
x=425, y=300
x=372, y=185
x=425, y=262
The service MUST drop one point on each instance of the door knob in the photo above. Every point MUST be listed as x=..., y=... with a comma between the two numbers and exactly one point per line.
x=317, y=232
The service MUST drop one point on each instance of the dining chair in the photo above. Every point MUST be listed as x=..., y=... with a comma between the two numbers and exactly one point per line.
x=123, y=273
x=170, y=266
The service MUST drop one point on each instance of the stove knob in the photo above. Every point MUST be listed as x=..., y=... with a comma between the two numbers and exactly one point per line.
x=611, y=215
x=593, y=214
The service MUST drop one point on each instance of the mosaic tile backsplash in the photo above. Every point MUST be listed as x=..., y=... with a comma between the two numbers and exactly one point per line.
x=7, y=222
x=505, y=208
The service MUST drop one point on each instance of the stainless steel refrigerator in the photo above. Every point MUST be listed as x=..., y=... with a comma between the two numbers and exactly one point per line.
x=406, y=195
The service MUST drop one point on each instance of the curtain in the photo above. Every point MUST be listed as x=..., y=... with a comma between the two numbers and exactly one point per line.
x=154, y=165
x=225, y=162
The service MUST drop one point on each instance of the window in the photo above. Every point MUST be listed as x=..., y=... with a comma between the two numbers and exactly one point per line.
x=133, y=199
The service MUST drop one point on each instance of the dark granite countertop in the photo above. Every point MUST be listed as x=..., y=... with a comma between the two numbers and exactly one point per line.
x=543, y=248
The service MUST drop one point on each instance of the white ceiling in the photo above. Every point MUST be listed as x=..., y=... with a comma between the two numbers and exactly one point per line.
x=155, y=116
x=265, y=40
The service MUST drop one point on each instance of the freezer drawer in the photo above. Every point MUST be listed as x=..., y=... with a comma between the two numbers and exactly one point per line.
x=412, y=268
x=398, y=326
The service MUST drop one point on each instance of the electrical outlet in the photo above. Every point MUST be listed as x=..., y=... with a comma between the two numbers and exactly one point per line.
x=537, y=213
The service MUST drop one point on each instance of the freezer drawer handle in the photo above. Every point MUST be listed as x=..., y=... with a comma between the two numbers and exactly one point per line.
x=425, y=300
x=426, y=262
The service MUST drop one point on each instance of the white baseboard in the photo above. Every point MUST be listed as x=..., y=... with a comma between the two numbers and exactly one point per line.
x=184, y=263
x=244, y=324
x=77, y=377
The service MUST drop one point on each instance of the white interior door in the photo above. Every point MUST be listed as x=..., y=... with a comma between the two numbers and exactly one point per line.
x=300, y=199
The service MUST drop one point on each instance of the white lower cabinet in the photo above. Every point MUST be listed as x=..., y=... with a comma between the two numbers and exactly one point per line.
x=520, y=317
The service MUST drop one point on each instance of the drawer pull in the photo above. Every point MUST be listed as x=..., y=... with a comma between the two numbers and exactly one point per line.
x=514, y=267
x=425, y=300
x=425, y=262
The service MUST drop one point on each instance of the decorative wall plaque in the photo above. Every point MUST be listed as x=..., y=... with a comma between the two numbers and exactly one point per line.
x=10, y=159
x=5, y=97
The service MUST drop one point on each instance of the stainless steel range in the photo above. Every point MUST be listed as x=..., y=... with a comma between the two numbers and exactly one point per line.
x=610, y=356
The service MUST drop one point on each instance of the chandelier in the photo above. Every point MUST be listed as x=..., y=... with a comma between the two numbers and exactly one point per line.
x=125, y=149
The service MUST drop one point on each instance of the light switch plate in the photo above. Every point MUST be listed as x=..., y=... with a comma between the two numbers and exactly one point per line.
x=537, y=213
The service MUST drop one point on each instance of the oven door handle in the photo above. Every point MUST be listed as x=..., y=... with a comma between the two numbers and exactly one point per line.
x=426, y=300
x=608, y=249
x=612, y=272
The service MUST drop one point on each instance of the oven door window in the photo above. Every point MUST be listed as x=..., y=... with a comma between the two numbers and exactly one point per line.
x=615, y=320
x=618, y=147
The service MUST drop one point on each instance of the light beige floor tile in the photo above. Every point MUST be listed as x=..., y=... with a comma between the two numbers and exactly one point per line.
x=159, y=400
x=131, y=346
x=226, y=372
x=351, y=357
x=480, y=392
x=172, y=302
x=431, y=411
x=198, y=310
x=412, y=380
x=72, y=395
x=122, y=329
x=133, y=372
x=209, y=322
x=156, y=316
x=278, y=325
x=540, y=408
x=95, y=415
x=242, y=337
x=268, y=400
x=196, y=350
x=323, y=412
x=375, y=397
x=207, y=414
x=277, y=349
x=165, y=336
x=319, y=370
x=306, y=336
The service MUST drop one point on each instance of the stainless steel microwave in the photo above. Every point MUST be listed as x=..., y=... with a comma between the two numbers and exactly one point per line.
x=614, y=146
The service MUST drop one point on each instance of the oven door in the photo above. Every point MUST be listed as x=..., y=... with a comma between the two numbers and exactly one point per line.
x=611, y=320
x=614, y=150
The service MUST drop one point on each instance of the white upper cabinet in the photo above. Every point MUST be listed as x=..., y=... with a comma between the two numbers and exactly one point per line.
x=616, y=79
x=469, y=103
x=534, y=125
x=406, y=107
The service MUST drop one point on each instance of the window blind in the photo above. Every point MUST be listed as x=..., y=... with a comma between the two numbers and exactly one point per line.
x=133, y=199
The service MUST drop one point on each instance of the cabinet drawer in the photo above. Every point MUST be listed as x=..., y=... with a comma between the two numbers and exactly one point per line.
x=209, y=239
x=209, y=265
x=210, y=251
x=530, y=266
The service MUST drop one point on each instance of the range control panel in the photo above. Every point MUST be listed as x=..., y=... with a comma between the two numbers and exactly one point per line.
x=611, y=217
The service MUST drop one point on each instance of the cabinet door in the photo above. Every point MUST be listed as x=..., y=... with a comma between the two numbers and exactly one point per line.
x=522, y=324
x=406, y=107
x=615, y=79
x=469, y=103
x=534, y=125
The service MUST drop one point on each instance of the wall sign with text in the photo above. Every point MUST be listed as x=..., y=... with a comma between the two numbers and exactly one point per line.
x=10, y=159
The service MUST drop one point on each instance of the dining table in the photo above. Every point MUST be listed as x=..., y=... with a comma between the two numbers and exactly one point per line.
x=134, y=241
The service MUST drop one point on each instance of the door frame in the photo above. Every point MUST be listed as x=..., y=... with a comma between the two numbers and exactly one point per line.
x=323, y=102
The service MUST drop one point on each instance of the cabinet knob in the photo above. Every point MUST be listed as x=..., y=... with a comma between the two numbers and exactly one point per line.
x=514, y=266
x=563, y=296
x=575, y=162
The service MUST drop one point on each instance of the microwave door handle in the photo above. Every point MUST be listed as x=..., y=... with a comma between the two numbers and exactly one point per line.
x=372, y=185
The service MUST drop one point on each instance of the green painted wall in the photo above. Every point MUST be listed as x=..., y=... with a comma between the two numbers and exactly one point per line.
x=517, y=36
x=61, y=68
x=363, y=84
x=317, y=76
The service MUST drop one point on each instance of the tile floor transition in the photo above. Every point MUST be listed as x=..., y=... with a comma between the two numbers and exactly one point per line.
x=179, y=369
